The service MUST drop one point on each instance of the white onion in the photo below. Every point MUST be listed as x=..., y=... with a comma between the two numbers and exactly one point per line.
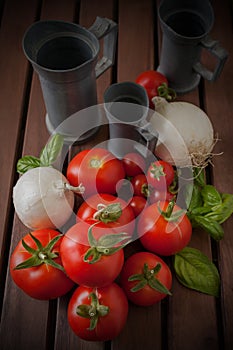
x=41, y=198
x=186, y=133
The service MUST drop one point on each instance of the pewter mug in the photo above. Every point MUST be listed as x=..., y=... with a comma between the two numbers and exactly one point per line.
x=65, y=56
x=186, y=25
x=126, y=106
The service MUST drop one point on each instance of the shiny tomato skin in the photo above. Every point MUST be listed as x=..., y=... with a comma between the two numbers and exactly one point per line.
x=140, y=185
x=108, y=326
x=160, y=174
x=97, y=169
x=138, y=204
x=125, y=223
x=73, y=249
x=157, y=196
x=161, y=236
x=134, y=164
x=43, y=282
x=134, y=265
x=151, y=80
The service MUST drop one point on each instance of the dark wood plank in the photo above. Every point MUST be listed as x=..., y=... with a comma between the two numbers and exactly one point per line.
x=136, y=39
x=136, y=54
x=33, y=314
x=13, y=72
x=219, y=106
x=191, y=316
x=64, y=337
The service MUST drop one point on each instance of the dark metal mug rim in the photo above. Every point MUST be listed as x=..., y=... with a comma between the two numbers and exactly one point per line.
x=71, y=34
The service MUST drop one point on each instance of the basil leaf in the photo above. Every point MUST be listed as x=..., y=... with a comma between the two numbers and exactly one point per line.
x=211, y=196
x=26, y=163
x=211, y=226
x=224, y=211
x=193, y=192
x=199, y=176
x=194, y=270
x=51, y=151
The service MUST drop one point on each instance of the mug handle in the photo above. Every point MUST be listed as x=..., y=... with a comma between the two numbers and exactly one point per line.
x=148, y=139
x=220, y=53
x=104, y=27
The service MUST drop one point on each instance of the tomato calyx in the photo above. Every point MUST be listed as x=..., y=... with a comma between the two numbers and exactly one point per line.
x=157, y=171
x=108, y=213
x=168, y=93
x=92, y=311
x=95, y=163
x=168, y=214
x=41, y=255
x=106, y=245
x=148, y=277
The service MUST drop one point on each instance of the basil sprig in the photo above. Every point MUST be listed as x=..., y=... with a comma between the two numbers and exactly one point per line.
x=194, y=270
x=208, y=208
x=47, y=157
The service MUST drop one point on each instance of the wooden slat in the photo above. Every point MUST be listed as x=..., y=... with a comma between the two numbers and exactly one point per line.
x=187, y=307
x=65, y=339
x=220, y=108
x=136, y=34
x=13, y=73
x=33, y=314
x=136, y=54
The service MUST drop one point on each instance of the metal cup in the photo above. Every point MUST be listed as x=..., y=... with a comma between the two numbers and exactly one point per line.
x=65, y=56
x=126, y=106
x=186, y=25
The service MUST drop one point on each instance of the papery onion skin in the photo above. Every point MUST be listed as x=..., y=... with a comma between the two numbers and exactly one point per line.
x=194, y=127
x=40, y=198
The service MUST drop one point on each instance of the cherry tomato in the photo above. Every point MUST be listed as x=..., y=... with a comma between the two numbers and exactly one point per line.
x=156, y=84
x=97, y=169
x=42, y=277
x=112, y=211
x=156, y=196
x=140, y=185
x=134, y=164
x=145, y=278
x=138, y=203
x=98, y=314
x=164, y=228
x=92, y=258
x=160, y=174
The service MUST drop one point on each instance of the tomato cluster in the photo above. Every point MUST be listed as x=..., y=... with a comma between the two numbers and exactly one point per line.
x=91, y=254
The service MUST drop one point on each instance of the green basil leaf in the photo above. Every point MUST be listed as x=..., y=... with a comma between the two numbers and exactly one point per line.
x=194, y=270
x=51, y=150
x=211, y=196
x=209, y=225
x=223, y=211
x=199, y=176
x=26, y=163
x=201, y=210
x=193, y=192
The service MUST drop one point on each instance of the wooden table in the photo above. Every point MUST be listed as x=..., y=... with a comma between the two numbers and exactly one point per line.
x=187, y=320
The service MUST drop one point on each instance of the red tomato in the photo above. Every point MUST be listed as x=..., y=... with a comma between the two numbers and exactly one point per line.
x=134, y=164
x=157, y=196
x=97, y=169
x=138, y=203
x=140, y=185
x=43, y=281
x=160, y=174
x=98, y=314
x=158, y=234
x=156, y=84
x=146, y=278
x=113, y=211
x=91, y=262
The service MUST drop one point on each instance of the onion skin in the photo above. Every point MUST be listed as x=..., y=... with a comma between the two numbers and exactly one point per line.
x=186, y=133
x=41, y=200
